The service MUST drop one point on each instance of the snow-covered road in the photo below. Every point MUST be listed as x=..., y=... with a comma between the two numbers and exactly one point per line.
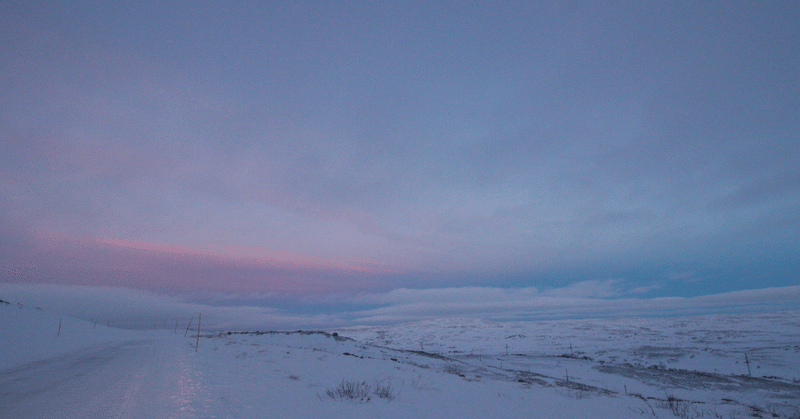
x=119, y=380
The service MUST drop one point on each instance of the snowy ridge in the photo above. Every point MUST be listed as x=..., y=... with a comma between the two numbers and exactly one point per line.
x=749, y=358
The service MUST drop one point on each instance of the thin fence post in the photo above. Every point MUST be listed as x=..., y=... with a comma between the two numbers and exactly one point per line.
x=747, y=361
x=188, y=326
x=197, y=344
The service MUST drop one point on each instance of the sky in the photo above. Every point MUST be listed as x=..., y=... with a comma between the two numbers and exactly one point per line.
x=327, y=157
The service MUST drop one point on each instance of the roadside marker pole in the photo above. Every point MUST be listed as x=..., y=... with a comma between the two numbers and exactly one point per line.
x=197, y=344
x=187, y=327
x=747, y=361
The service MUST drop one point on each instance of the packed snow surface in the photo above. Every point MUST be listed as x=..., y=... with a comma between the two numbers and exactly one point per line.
x=725, y=366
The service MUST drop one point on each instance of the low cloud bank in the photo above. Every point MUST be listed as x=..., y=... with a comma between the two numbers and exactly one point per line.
x=532, y=304
x=129, y=308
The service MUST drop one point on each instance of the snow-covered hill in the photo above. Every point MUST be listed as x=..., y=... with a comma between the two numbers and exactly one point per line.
x=626, y=368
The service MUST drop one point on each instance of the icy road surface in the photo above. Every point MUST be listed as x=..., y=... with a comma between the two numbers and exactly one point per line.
x=119, y=380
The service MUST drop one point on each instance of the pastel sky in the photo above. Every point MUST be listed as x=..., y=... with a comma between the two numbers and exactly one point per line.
x=290, y=151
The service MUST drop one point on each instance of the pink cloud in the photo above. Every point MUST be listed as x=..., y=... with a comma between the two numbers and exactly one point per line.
x=248, y=256
x=57, y=259
x=155, y=247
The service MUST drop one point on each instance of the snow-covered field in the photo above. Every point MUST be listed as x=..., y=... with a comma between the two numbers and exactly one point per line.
x=624, y=368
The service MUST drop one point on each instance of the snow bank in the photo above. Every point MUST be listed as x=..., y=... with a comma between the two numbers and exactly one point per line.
x=30, y=334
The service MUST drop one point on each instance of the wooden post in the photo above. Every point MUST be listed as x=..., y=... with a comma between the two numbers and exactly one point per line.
x=187, y=327
x=59, y=328
x=197, y=344
x=747, y=361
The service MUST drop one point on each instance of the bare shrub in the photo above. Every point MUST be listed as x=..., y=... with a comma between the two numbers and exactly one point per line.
x=384, y=391
x=360, y=391
x=357, y=391
x=648, y=411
